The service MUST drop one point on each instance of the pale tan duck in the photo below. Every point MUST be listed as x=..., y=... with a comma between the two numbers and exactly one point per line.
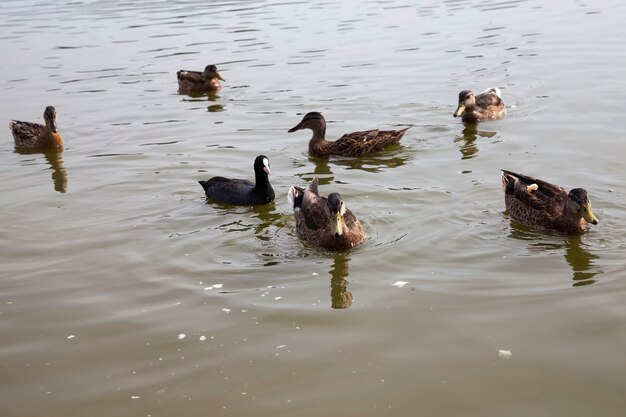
x=542, y=205
x=29, y=135
x=200, y=81
x=350, y=144
x=487, y=105
x=324, y=221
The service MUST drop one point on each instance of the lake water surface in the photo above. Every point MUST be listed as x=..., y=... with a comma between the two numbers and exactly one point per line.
x=123, y=292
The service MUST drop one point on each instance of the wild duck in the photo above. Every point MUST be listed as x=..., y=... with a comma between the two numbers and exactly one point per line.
x=29, y=135
x=242, y=192
x=542, y=205
x=324, y=221
x=197, y=81
x=350, y=144
x=487, y=105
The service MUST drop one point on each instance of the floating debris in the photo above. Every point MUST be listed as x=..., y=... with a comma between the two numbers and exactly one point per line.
x=504, y=353
x=213, y=287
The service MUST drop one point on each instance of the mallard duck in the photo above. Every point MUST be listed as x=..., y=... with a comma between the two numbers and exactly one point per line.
x=487, y=105
x=29, y=135
x=350, y=144
x=324, y=221
x=242, y=192
x=542, y=205
x=200, y=81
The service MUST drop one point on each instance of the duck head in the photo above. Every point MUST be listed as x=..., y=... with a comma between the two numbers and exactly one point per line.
x=314, y=121
x=50, y=116
x=335, y=210
x=211, y=72
x=578, y=205
x=262, y=164
x=466, y=100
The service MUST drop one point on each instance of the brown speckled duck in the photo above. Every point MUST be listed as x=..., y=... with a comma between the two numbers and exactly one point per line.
x=487, y=105
x=29, y=135
x=350, y=144
x=324, y=221
x=542, y=205
x=200, y=81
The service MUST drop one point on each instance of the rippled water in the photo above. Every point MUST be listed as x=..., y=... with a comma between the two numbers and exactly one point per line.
x=123, y=292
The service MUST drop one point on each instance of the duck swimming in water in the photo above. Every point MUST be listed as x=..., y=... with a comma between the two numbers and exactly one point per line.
x=487, y=105
x=29, y=135
x=197, y=81
x=542, y=205
x=242, y=192
x=350, y=144
x=324, y=221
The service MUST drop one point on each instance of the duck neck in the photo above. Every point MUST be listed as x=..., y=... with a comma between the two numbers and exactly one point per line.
x=471, y=115
x=261, y=180
x=215, y=84
x=52, y=135
x=318, y=142
x=319, y=130
x=571, y=223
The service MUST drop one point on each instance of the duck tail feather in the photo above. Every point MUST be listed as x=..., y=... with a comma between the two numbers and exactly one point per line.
x=295, y=196
x=313, y=186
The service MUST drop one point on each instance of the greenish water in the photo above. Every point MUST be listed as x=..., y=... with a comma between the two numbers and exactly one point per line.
x=123, y=292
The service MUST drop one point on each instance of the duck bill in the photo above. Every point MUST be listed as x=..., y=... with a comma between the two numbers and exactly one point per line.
x=587, y=214
x=336, y=226
x=459, y=110
x=219, y=77
x=53, y=126
x=267, y=170
x=296, y=127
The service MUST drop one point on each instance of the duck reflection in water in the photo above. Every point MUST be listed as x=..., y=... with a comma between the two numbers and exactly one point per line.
x=575, y=252
x=375, y=163
x=321, y=171
x=214, y=107
x=581, y=261
x=340, y=297
x=54, y=158
x=203, y=97
x=269, y=218
x=467, y=140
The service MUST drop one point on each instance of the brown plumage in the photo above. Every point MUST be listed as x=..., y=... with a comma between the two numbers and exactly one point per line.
x=350, y=144
x=542, y=205
x=487, y=105
x=324, y=221
x=197, y=81
x=29, y=135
